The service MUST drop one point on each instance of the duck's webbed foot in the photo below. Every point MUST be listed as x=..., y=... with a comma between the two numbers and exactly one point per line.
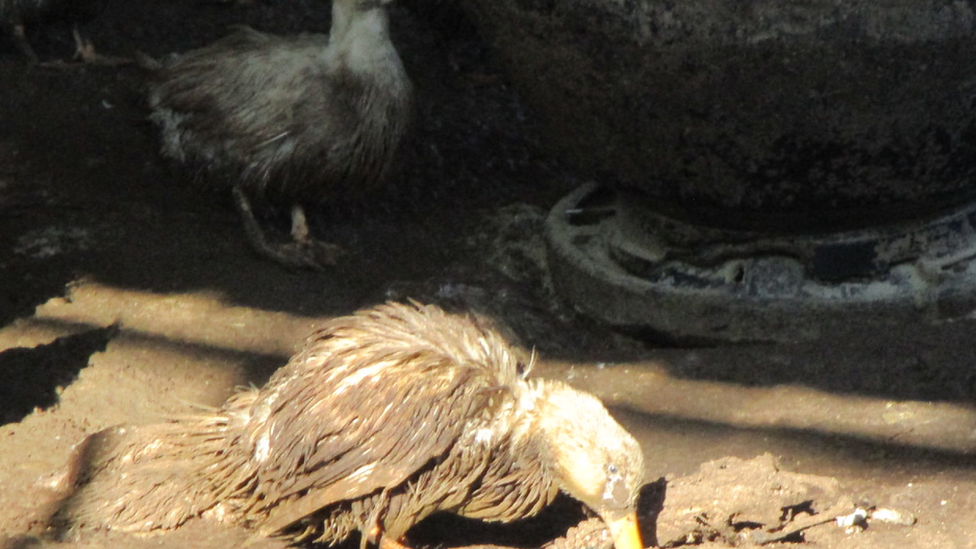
x=303, y=252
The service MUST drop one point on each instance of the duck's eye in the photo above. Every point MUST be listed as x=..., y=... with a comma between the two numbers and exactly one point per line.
x=615, y=492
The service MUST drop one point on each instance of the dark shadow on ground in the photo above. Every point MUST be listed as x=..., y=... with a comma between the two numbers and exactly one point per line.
x=34, y=377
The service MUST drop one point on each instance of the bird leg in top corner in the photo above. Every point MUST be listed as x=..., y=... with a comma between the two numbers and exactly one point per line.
x=303, y=252
x=20, y=39
x=85, y=51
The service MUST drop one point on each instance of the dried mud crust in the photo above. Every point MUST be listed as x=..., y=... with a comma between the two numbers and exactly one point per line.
x=732, y=502
x=589, y=534
x=735, y=501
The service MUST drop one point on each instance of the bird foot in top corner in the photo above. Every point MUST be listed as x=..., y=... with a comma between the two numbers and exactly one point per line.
x=86, y=54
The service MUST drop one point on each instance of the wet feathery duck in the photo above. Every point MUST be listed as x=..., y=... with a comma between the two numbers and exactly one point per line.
x=384, y=417
x=295, y=120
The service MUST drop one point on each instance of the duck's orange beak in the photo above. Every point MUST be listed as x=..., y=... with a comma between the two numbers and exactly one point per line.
x=625, y=533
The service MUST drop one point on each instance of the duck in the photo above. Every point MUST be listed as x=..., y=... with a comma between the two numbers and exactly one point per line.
x=288, y=120
x=20, y=15
x=385, y=417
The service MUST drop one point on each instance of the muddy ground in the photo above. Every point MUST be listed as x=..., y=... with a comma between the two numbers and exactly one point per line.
x=127, y=294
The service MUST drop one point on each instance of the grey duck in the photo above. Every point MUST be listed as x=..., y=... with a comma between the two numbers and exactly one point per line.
x=294, y=120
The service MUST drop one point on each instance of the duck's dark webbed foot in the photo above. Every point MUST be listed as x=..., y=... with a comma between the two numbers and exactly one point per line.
x=302, y=252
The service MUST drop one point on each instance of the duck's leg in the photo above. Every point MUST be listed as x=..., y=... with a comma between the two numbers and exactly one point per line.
x=303, y=252
x=321, y=253
x=299, y=224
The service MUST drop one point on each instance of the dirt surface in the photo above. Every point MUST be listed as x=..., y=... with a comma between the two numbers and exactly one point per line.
x=127, y=294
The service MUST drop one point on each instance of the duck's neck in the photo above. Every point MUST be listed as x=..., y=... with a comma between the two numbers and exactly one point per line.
x=361, y=35
x=529, y=430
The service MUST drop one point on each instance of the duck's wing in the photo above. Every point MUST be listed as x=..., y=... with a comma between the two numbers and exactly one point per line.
x=249, y=90
x=366, y=429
